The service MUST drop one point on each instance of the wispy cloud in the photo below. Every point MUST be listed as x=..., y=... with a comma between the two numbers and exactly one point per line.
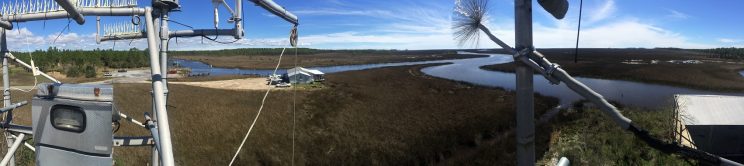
x=729, y=40
x=603, y=11
x=413, y=26
x=677, y=15
x=345, y=12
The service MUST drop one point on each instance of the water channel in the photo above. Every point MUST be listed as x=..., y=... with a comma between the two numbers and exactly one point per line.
x=468, y=70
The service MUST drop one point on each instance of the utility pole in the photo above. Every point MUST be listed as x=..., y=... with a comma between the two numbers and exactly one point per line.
x=525, y=97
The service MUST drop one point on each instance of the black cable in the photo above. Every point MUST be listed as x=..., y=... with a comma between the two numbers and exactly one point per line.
x=221, y=42
x=578, y=31
x=63, y=31
x=205, y=36
x=179, y=23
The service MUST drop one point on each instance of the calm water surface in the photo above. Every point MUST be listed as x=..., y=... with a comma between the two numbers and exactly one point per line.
x=467, y=70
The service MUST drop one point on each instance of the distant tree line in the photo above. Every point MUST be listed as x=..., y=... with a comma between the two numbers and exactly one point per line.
x=725, y=53
x=76, y=63
x=301, y=51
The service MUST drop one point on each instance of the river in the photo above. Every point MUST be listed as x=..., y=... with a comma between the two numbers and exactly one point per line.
x=468, y=70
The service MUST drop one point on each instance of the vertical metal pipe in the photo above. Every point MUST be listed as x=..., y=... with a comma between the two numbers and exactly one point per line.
x=6, y=88
x=166, y=151
x=164, y=30
x=525, y=102
x=164, y=50
x=239, y=19
x=155, y=155
x=98, y=29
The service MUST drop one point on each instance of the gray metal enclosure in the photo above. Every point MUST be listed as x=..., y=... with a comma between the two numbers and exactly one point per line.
x=72, y=124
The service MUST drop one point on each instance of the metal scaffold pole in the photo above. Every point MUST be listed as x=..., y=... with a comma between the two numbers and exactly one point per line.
x=164, y=35
x=166, y=151
x=525, y=97
x=6, y=90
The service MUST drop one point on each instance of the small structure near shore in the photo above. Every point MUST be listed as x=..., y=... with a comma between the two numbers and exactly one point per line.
x=712, y=123
x=300, y=75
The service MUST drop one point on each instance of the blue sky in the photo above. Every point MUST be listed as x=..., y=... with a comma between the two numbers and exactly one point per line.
x=425, y=24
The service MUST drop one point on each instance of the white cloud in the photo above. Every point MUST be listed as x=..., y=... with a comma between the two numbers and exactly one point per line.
x=603, y=11
x=624, y=33
x=415, y=27
x=329, y=11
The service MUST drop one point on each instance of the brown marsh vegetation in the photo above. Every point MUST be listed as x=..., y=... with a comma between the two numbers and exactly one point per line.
x=319, y=59
x=606, y=63
x=384, y=116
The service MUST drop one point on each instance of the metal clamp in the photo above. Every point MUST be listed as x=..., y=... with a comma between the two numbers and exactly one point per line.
x=552, y=68
x=549, y=73
x=523, y=52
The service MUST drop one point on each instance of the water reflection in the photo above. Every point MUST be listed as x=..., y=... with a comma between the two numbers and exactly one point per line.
x=467, y=70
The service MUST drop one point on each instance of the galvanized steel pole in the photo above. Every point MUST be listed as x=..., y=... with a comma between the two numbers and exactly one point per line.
x=238, y=19
x=6, y=88
x=166, y=151
x=525, y=102
x=72, y=11
x=164, y=35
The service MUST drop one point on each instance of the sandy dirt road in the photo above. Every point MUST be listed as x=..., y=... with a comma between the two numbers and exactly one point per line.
x=142, y=76
x=236, y=84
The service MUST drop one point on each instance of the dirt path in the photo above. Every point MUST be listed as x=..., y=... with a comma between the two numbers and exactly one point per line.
x=236, y=84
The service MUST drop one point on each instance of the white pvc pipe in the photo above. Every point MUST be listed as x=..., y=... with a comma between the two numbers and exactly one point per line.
x=12, y=149
x=24, y=64
x=563, y=162
x=24, y=143
x=130, y=119
x=166, y=151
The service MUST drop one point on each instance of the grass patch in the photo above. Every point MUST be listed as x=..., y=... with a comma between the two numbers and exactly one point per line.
x=590, y=138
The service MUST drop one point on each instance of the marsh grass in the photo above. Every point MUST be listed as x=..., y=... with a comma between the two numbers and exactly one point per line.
x=590, y=138
x=386, y=116
x=606, y=64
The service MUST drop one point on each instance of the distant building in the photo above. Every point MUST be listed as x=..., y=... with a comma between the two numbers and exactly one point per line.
x=301, y=75
x=715, y=123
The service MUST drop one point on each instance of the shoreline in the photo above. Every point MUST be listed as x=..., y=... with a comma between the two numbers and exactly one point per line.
x=215, y=61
